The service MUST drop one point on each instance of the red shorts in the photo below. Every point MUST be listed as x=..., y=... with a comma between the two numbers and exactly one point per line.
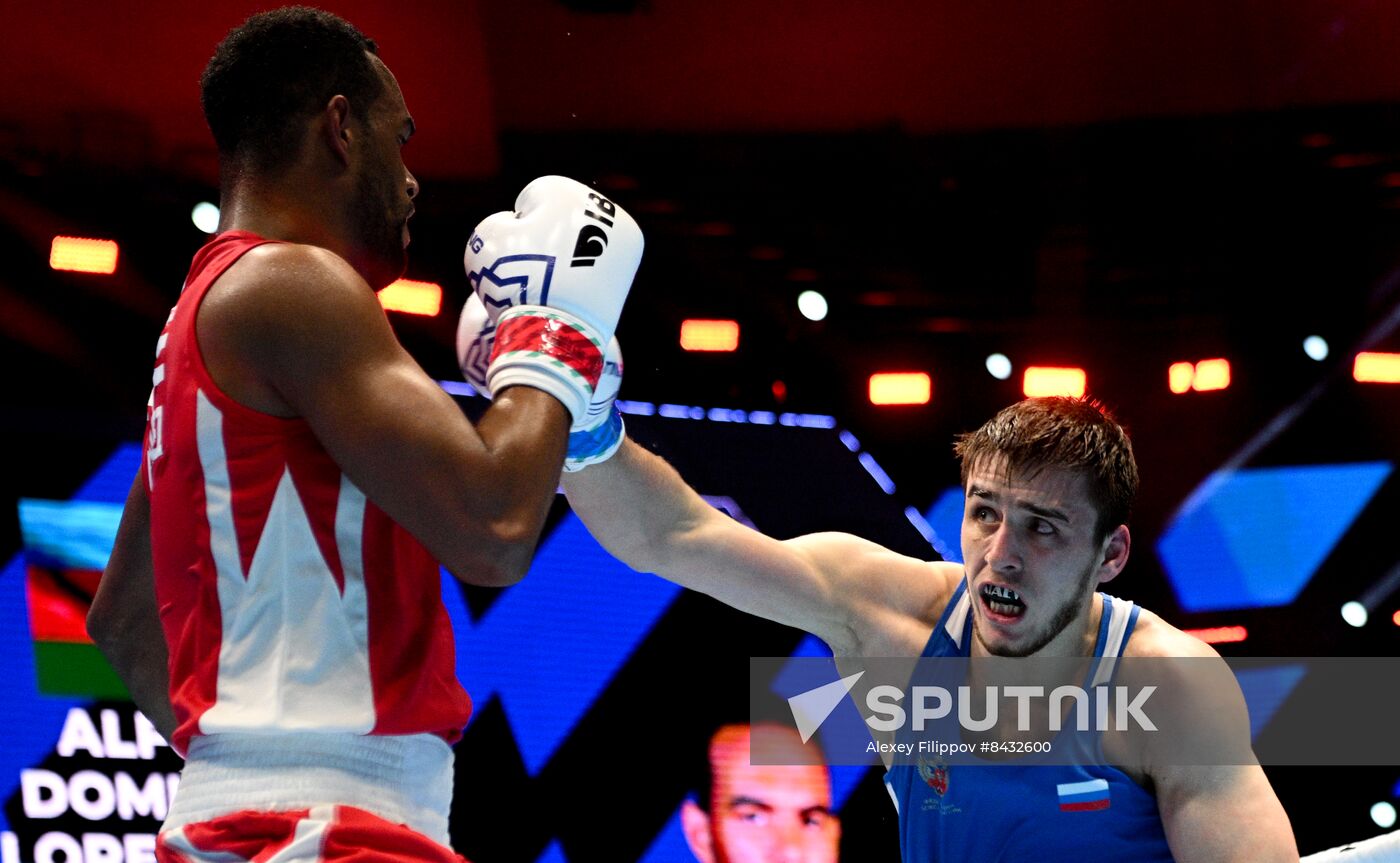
x=324, y=834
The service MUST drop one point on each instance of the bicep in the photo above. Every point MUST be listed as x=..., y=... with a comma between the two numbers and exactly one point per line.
x=1223, y=813
x=793, y=582
x=323, y=344
x=836, y=586
x=1215, y=801
x=385, y=423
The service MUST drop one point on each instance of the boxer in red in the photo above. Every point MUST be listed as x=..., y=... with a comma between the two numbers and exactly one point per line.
x=303, y=477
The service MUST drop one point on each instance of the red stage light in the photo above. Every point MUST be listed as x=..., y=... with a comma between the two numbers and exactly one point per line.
x=1219, y=634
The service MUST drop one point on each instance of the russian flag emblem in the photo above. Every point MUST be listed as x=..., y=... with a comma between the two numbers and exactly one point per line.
x=1083, y=796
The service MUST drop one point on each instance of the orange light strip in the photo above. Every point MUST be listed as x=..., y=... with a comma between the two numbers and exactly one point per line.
x=1050, y=381
x=83, y=255
x=1219, y=634
x=1180, y=376
x=1211, y=375
x=900, y=388
x=702, y=335
x=1203, y=376
x=412, y=298
x=1373, y=367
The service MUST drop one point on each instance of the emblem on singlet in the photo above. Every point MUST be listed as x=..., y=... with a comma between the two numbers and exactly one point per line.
x=934, y=772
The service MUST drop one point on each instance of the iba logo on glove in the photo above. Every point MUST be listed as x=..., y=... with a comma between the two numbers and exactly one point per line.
x=593, y=240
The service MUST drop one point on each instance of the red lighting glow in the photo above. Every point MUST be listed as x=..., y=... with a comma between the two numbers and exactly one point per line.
x=1219, y=634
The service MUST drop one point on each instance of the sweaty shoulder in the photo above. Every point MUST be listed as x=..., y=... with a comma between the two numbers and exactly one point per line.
x=285, y=273
x=270, y=310
x=1194, y=701
x=1154, y=637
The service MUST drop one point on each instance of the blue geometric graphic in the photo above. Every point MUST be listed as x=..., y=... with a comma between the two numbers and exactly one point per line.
x=844, y=731
x=550, y=644
x=945, y=517
x=1265, y=690
x=112, y=481
x=1255, y=537
x=669, y=846
x=66, y=533
x=553, y=854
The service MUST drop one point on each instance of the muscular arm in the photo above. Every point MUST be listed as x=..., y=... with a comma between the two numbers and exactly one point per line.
x=1215, y=801
x=1224, y=813
x=838, y=587
x=313, y=333
x=123, y=620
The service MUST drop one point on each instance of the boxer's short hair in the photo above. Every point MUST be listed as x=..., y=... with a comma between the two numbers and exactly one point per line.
x=1078, y=434
x=276, y=70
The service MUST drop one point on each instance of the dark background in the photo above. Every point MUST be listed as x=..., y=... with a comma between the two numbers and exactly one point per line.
x=1088, y=183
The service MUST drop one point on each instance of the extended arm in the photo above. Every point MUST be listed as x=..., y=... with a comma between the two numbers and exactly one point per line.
x=835, y=586
x=124, y=621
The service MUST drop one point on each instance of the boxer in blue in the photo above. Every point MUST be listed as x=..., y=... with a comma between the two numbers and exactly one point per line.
x=1049, y=484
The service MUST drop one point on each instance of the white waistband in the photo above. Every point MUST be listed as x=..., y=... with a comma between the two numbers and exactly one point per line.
x=404, y=779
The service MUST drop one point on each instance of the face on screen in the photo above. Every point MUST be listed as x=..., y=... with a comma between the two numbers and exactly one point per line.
x=775, y=812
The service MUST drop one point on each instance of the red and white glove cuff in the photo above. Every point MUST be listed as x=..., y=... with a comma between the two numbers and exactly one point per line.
x=550, y=350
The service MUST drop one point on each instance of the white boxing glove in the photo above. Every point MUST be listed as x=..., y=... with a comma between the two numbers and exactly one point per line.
x=552, y=277
x=602, y=431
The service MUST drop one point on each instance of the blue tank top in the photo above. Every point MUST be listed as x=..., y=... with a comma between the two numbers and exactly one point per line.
x=1012, y=812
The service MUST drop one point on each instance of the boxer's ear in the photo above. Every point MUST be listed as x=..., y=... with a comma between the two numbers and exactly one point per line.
x=695, y=823
x=335, y=128
x=1113, y=555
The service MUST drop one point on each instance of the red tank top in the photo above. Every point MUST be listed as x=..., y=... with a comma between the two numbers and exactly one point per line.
x=288, y=600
